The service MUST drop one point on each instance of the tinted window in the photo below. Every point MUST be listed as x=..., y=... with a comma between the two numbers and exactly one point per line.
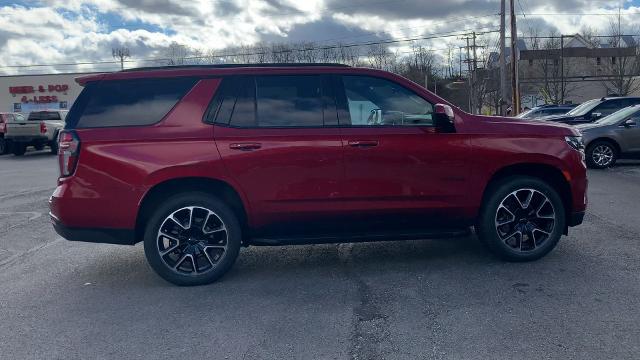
x=130, y=102
x=285, y=101
x=611, y=106
x=374, y=101
x=45, y=115
x=558, y=111
x=244, y=109
x=221, y=106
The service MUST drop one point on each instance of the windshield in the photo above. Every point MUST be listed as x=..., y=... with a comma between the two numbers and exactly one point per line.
x=618, y=116
x=584, y=108
x=523, y=115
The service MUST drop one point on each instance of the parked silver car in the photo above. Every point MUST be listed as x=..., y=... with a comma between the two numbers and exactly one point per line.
x=612, y=137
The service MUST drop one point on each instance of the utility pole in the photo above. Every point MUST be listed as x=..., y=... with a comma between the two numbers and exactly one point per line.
x=475, y=74
x=121, y=54
x=503, y=65
x=561, y=69
x=460, y=59
x=470, y=77
x=515, y=102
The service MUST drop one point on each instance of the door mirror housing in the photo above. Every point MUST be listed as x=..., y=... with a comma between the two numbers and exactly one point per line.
x=375, y=117
x=443, y=117
x=629, y=123
x=596, y=116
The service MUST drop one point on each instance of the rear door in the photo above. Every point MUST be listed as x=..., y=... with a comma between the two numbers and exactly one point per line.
x=271, y=134
x=398, y=168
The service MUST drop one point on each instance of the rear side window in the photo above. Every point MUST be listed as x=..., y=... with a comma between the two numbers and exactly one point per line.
x=127, y=102
x=286, y=101
x=274, y=101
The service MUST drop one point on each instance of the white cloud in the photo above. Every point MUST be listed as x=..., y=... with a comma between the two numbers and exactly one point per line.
x=70, y=31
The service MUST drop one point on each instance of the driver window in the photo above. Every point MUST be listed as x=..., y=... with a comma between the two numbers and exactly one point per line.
x=375, y=102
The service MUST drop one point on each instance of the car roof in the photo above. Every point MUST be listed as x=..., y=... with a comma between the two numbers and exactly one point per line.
x=618, y=97
x=226, y=69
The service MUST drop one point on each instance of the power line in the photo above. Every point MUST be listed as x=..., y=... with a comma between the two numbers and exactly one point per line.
x=337, y=46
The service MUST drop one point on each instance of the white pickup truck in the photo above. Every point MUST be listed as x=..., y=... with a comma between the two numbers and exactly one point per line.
x=39, y=129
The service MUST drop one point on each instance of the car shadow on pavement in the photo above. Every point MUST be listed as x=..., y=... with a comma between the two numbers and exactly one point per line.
x=258, y=263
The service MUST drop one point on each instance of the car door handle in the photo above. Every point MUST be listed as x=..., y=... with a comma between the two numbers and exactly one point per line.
x=245, y=146
x=363, y=143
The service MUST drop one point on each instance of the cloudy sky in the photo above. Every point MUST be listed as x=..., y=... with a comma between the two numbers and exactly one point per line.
x=84, y=31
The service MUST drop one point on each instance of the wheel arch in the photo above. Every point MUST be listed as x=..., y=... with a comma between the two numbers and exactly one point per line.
x=545, y=172
x=608, y=139
x=219, y=188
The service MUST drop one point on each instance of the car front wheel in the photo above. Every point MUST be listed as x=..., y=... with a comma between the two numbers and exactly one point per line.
x=601, y=154
x=192, y=239
x=522, y=219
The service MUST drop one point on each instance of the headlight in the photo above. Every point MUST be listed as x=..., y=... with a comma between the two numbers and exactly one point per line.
x=575, y=142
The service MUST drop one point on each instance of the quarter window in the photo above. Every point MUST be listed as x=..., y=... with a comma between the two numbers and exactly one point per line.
x=374, y=102
x=128, y=102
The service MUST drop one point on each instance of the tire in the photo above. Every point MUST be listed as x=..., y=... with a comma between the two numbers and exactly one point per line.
x=4, y=146
x=164, y=234
x=538, y=233
x=601, y=154
x=54, y=145
x=19, y=149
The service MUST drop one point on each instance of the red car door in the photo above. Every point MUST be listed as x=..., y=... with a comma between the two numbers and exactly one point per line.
x=276, y=147
x=396, y=162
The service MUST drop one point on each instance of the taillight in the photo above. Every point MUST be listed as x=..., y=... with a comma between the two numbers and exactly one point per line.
x=68, y=151
x=43, y=128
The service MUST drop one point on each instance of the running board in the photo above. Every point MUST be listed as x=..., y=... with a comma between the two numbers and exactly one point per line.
x=360, y=237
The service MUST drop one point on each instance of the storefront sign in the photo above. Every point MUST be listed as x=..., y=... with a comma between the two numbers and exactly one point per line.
x=39, y=99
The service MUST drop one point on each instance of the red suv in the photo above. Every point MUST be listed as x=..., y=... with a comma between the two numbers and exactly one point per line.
x=198, y=161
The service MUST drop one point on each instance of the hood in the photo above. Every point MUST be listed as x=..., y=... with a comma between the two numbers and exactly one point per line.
x=583, y=127
x=560, y=117
x=510, y=125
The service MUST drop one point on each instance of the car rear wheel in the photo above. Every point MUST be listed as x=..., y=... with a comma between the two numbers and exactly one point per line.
x=19, y=149
x=601, y=154
x=54, y=145
x=192, y=239
x=522, y=219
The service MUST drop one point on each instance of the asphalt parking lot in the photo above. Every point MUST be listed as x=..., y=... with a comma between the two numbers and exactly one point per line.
x=440, y=299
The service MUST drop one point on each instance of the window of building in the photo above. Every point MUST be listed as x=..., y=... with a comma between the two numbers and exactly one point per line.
x=613, y=60
x=598, y=61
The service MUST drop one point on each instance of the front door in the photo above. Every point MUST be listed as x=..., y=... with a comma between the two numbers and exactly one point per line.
x=273, y=142
x=399, y=170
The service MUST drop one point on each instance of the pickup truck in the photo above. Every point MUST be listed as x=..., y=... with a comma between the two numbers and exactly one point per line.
x=40, y=129
x=4, y=118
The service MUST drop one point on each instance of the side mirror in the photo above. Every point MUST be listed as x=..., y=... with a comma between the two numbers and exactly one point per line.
x=375, y=117
x=629, y=123
x=596, y=115
x=443, y=118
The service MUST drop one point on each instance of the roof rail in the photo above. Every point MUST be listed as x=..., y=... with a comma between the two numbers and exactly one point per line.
x=225, y=66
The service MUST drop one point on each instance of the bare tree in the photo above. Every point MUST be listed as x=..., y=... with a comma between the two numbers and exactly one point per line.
x=176, y=54
x=121, y=54
x=622, y=70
